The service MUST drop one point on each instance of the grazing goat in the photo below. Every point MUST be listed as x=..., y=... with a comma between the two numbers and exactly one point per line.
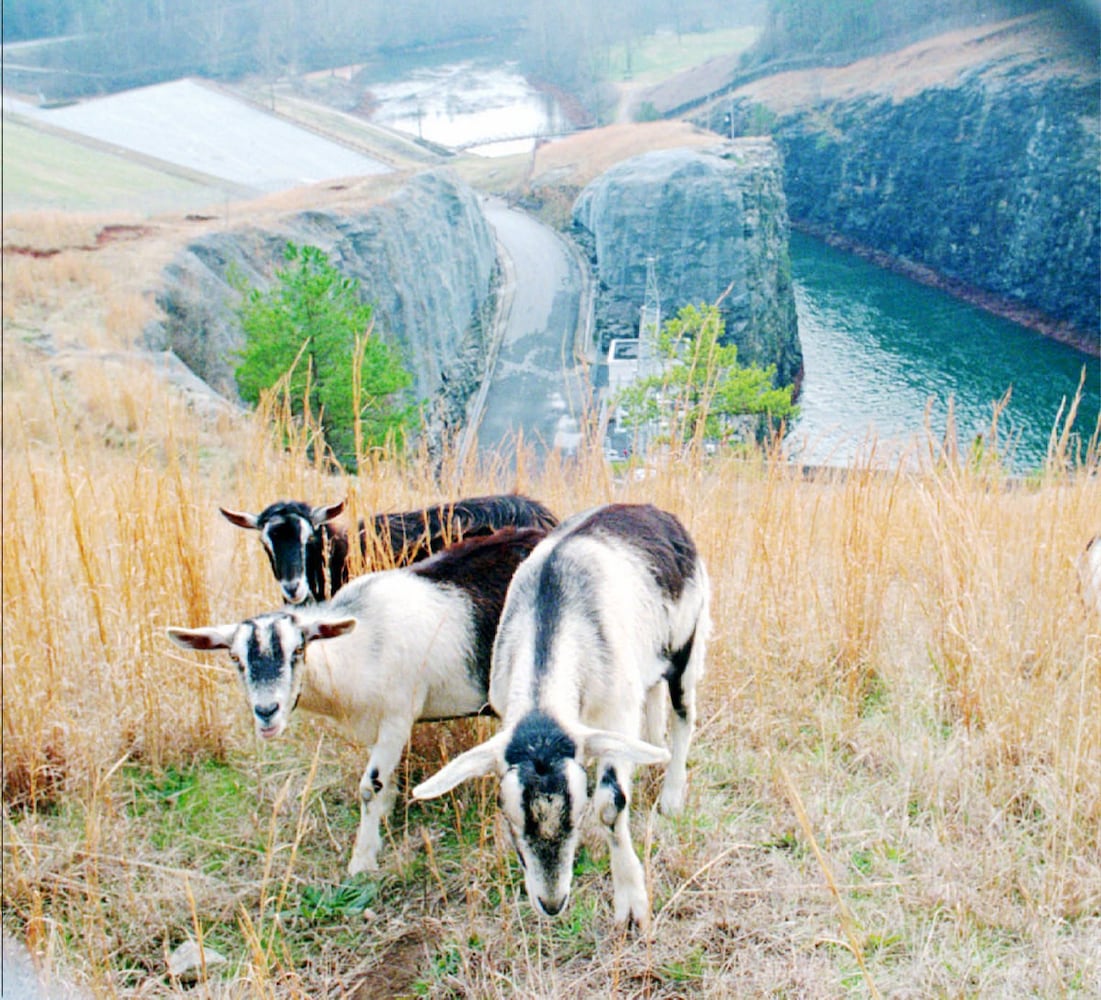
x=605, y=618
x=1089, y=573
x=402, y=645
x=309, y=554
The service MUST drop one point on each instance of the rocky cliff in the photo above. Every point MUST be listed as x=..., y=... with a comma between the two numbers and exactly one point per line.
x=969, y=161
x=425, y=257
x=715, y=223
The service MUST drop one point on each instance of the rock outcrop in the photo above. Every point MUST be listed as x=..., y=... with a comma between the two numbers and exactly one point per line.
x=715, y=222
x=969, y=161
x=426, y=258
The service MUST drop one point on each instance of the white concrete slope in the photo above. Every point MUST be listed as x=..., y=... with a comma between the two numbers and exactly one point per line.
x=203, y=129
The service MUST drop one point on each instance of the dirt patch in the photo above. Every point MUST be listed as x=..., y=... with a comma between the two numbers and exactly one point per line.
x=35, y=252
x=116, y=233
x=396, y=970
x=577, y=159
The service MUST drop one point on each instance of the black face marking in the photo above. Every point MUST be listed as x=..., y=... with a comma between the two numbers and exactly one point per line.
x=674, y=675
x=609, y=780
x=538, y=741
x=287, y=554
x=539, y=750
x=266, y=658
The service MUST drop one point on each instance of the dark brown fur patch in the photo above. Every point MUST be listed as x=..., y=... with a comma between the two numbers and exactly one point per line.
x=657, y=534
x=482, y=567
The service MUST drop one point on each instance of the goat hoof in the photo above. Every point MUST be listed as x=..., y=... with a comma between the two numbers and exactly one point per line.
x=357, y=865
x=635, y=921
x=671, y=803
x=633, y=915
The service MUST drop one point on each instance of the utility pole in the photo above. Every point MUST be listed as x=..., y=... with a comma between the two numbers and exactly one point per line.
x=649, y=323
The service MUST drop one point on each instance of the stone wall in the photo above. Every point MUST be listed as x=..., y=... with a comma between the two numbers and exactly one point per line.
x=715, y=223
x=425, y=257
x=982, y=179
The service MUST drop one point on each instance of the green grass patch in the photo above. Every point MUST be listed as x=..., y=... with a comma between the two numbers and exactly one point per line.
x=328, y=903
x=205, y=809
x=44, y=171
x=688, y=969
x=666, y=53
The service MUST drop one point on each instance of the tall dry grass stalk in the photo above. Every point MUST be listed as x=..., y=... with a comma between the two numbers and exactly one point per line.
x=908, y=650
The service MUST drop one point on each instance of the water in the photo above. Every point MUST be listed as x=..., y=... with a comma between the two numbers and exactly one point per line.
x=489, y=109
x=879, y=349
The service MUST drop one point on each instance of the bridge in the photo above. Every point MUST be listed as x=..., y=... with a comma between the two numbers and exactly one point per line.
x=536, y=137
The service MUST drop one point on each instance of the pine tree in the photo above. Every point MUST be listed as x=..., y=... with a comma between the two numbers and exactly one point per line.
x=312, y=323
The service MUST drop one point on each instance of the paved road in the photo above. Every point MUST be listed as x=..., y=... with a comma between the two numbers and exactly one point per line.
x=535, y=389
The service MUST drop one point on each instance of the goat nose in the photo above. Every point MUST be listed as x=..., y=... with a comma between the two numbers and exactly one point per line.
x=552, y=908
x=265, y=713
x=294, y=591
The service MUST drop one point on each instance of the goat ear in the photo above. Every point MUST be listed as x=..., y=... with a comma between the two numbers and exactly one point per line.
x=598, y=742
x=214, y=637
x=486, y=758
x=240, y=518
x=322, y=515
x=328, y=629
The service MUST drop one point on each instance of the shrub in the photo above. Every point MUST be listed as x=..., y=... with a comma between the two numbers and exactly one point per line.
x=313, y=329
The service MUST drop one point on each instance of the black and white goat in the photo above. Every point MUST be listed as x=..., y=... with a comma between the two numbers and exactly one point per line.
x=309, y=554
x=607, y=617
x=401, y=645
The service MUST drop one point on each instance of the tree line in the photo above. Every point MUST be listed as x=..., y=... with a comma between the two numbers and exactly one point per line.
x=807, y=29
x=98, y=46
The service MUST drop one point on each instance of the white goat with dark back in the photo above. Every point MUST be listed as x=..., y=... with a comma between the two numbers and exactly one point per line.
x=309, y=553
x=390, y=649
x=606, y=619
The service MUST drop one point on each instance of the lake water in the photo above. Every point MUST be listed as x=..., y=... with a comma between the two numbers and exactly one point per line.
x=489, y=110
x=880, y=351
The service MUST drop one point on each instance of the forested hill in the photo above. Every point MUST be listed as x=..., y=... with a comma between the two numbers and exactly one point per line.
x=73, y=48
x=832, y=31
x=967, y=160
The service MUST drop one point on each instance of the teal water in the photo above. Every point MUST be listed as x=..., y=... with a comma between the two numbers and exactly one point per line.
x=881, y=351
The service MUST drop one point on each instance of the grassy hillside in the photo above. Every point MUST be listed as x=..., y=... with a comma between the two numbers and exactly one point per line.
x=48, y=171
x=895, y=789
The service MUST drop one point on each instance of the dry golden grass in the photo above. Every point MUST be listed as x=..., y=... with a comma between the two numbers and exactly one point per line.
x=578, y=159
x=895, y=789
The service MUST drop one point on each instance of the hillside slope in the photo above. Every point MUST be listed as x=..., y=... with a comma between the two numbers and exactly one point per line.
x=968, y=160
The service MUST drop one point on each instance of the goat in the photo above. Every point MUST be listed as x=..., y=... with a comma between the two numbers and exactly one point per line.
x=401, y=645
x=309, y=554
x=607, y=616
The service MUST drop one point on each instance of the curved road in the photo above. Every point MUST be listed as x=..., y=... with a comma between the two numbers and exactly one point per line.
x=535, y=390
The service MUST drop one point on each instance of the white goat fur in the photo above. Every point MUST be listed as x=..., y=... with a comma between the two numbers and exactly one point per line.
x=397, y=650
x=602, y=679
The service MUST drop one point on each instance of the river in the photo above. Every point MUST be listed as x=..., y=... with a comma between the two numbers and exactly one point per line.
x=881, y=351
